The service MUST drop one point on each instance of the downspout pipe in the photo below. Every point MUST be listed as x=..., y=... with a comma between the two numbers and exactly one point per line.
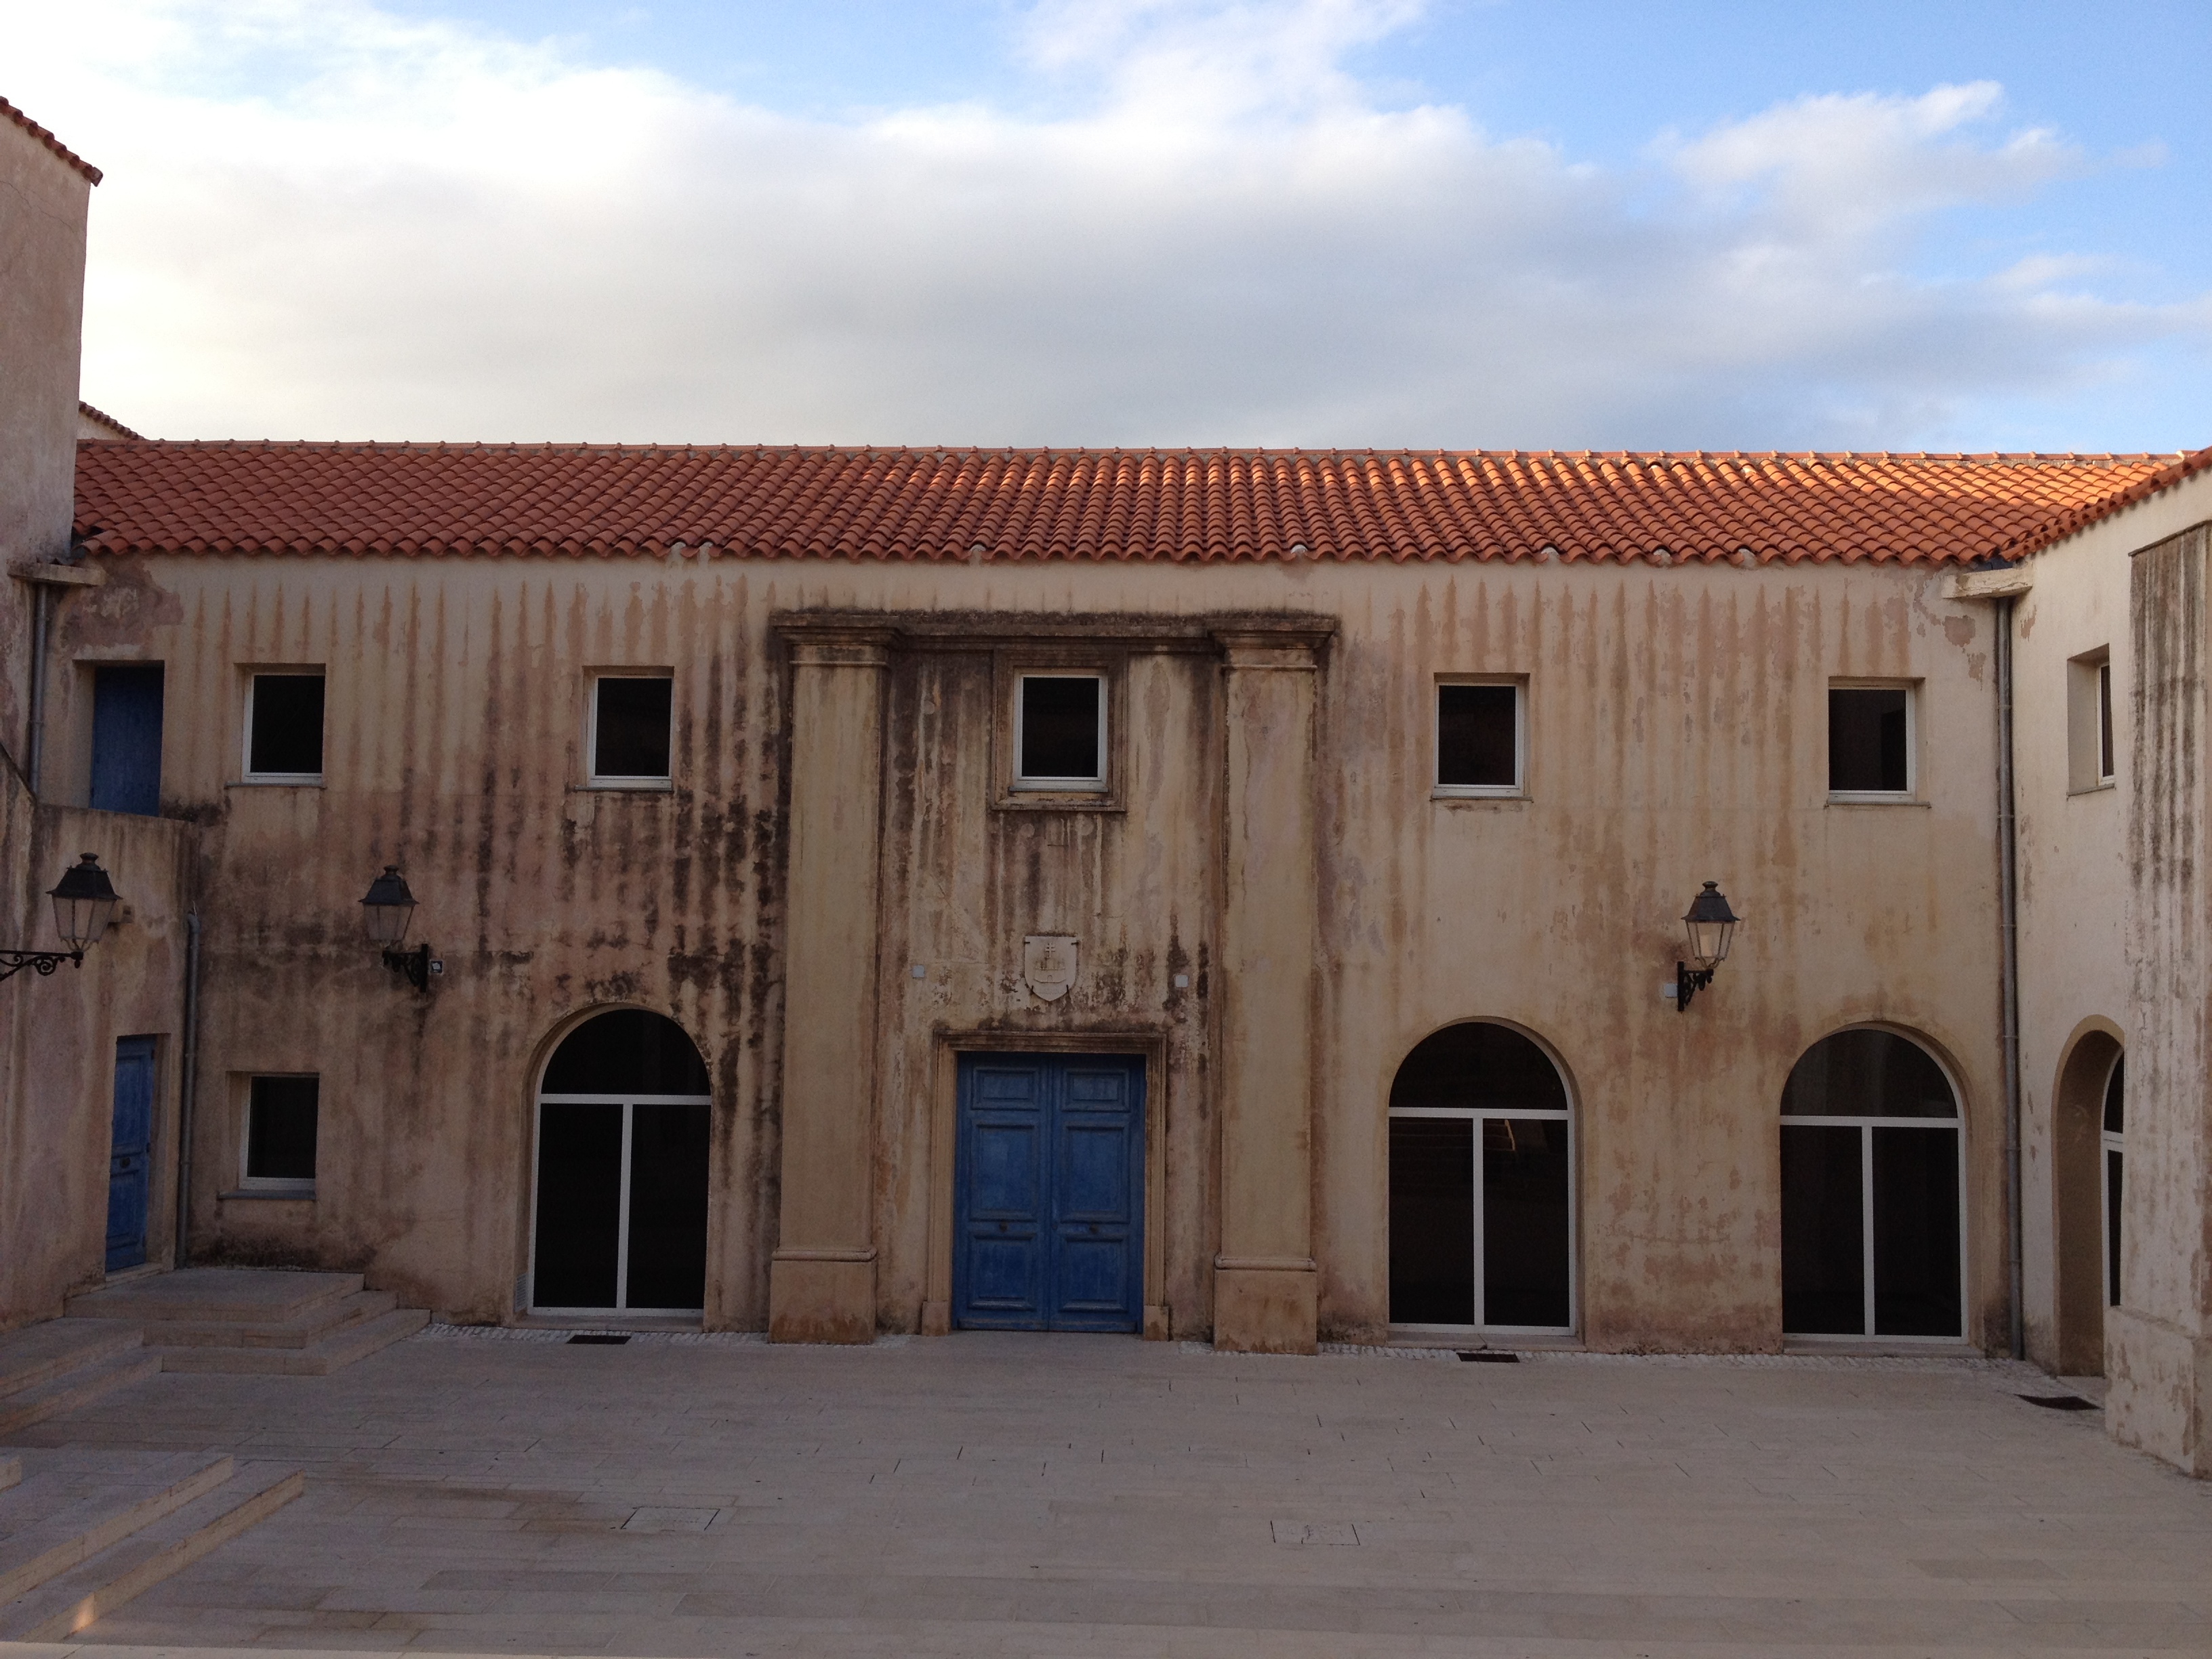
x=2009, y=934
x=41, y=602
x=188, y=1086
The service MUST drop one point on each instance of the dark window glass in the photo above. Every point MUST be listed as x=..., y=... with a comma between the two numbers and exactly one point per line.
x=2112, y=1184
x=626, y=1051
x=126, y=738
x=280, y=1128
x=1432, y=1221
x=1479, y=1066
x=1916, y=1232
x=1060, y=727
x=288, y=726
x=1867, y=739
x=1823, y=1241
x=1525, y=1256
x=2106, y=764
x=1476, y=740
x=633, y=727
x=667, y=1206
x=2116, y=1099
x=578, y=1205
x=1866, y=1074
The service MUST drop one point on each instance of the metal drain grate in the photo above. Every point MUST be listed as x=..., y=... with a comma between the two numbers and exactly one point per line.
x=2060, y=1403
x=1488, y=1357
x=600, y=1339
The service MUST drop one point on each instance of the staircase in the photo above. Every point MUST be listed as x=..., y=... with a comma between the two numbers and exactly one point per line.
x=56, y=1367
x=246, y=1321
x=82, y=1532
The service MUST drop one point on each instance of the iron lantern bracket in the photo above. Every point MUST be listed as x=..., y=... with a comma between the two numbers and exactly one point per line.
x=14, y=962
x=413, y=966
x=1687, y=984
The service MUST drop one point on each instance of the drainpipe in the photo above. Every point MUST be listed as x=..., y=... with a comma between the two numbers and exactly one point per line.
x=37, y=746
x=2009, y=910
x=188, y=1082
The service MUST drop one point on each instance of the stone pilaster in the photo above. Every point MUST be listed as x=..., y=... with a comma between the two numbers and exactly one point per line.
x=1265, y=1288
x=821, y=1279
x=2158, y=1351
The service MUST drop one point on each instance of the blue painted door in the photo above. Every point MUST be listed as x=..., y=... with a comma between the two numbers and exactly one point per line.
x=1048, y=1195
x=126, y=738
x=130, y=1152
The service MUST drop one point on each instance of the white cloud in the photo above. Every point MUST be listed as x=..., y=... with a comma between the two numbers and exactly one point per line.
x=321, y=220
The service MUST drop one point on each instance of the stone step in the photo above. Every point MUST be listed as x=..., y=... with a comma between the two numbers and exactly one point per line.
x=329, y=1353
x=67, y=1605
x=81, y=1387
x=76, y=1503
x=39, y=1353
x=246, y=1296
x=319, y=1321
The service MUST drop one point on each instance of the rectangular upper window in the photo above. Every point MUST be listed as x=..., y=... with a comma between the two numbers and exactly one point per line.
x=284, y=727
x=1060, y=731
x=2092, y=760
x=1479, y=738
x=1871, y=742
x=281, y=1114
x=632, y=719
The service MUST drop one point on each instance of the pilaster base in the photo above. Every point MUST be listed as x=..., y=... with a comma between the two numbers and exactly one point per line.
x=821, y=1296
x=2160, y=1389
x=1266, y=1304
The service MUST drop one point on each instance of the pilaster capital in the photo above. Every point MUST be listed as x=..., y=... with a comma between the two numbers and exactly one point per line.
x=1291, y=642
x=834, y=641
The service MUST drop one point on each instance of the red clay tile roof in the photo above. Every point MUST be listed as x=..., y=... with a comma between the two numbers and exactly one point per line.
x=2081, y=518
x=1177, y=505
x=10, y=113
x=101, y=417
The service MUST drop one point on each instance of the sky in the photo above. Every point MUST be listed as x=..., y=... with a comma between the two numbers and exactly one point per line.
x=1366, y=223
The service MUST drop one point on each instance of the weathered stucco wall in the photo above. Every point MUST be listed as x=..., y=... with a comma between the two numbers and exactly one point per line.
x=1677, y=734
x=2074, y=902
x=43, y=203
x=2158, y=1340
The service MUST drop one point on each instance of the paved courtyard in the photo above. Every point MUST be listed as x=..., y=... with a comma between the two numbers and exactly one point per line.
x=1091, y=1496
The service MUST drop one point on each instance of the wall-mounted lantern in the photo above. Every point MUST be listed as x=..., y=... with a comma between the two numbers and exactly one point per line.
x=1711, y=924
x=386, y=912
x=84, y=905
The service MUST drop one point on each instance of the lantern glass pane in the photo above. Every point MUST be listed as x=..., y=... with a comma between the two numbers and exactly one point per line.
x=81, y=921
x=387, y=923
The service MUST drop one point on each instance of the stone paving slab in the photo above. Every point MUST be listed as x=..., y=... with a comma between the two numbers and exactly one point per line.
x=1004, y=1494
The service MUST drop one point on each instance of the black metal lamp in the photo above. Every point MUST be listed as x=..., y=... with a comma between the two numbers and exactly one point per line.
x=1710, y=927
x=84, y=906
x=386, y=911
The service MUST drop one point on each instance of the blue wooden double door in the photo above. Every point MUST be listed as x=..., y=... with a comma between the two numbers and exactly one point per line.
x=130, y=1152
x=1048, y=1193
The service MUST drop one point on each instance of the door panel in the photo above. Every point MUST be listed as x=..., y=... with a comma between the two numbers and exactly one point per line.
x=1916, y=1232
x=130, y=1152
x=578, y=1205
x=1432, y=1221
x=1526, y=1255
x=1047, y=1193
x=1823, y=1231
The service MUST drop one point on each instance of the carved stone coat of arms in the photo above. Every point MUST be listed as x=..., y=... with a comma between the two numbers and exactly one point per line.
x=1049, y=965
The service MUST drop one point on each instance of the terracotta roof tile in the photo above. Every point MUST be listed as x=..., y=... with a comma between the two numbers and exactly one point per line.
x=2081, y=518
x=10, y=113
x=1012, y=506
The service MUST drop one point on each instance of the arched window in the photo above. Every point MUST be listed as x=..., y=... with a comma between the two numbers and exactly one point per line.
x=1870, y=1205
x=621, y=1218
x=1481, y=1185
x=2115, y=1126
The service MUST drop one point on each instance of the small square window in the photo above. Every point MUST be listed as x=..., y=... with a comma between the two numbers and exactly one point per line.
x=2091, y=759
x=1870, y=740
x=284, y=727
x=280, y=1116
x=631, y=723
x=1060, y=731
x=1479, y=739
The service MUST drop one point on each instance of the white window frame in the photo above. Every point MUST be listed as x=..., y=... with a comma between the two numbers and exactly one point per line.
x=2108, y=761
x=593, y=778
x=2111, y=1144
x=254, y=672
x=1477, y=1114
x=1021, y=782
x=1866, y=1126
x=276, y=1186
x=1519, y=789
x=628, y=1103
x=1911, y=794
x=2089, y=766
